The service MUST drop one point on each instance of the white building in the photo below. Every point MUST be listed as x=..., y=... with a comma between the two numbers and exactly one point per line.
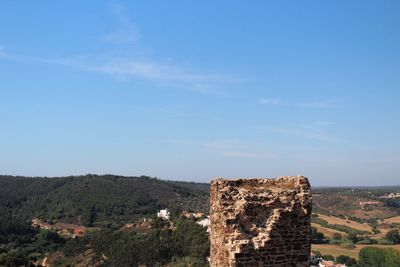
x=163, y=214
x=205, y=223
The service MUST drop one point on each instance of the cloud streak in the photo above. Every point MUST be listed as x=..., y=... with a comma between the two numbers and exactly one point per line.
x=134, y=63
x=159, y=72
x=323, y=104
x=126, y=31
x=136, y=69
x=318, y=104
x=310, y=133
x=269, y=101
x=2, y=52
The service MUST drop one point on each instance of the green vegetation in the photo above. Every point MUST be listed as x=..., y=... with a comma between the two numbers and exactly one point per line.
x=20, y=243
x=97, y=200
x=337, y=236
x=392, y=202
x=317, y=237
x=379, y=257
x=348, y=261
x=368, y=257
x=393, y=236
x=108, y=202
x=186, y=244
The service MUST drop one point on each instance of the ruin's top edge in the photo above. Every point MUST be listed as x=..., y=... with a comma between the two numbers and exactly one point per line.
x=286, y=181
x=298, y=177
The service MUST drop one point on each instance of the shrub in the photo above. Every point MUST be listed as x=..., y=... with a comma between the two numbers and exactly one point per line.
x=365, y=242
x=317, y=237
x=336, y=242
x=393, y=236
x=188, y=262
x=317, y=253
x=328, y=257
x=352, y=236
x=384, y=242
x=348, y=261
x=375, y=230
x=347, y=245
x=337, y=236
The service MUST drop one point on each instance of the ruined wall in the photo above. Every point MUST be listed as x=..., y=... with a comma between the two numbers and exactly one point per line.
x=260, y=222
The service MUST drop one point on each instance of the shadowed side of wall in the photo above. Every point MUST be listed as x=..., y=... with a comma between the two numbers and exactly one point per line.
x=260, y=222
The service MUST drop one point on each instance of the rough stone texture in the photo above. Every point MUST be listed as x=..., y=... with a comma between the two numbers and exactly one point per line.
x=260, y=222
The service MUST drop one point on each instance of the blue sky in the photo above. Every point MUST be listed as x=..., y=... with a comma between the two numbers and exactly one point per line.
x=192, y=90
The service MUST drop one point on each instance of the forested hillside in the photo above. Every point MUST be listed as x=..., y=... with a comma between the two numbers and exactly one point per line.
x=97, y=200
x=108, y=203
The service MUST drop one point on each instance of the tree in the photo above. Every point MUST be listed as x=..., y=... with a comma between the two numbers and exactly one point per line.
x=89, y=216
x=328, y=257
x=317, y=237
x=14, y=258
x=375, y=230
x=379, y=257
x=353, y=237
x=50, y=236
x=188, y=262
x=393, y=236
x=190, y=239
x=348, y=261
x=337, y=236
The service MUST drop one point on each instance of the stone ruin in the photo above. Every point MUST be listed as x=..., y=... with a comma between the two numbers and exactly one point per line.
x=260, y=222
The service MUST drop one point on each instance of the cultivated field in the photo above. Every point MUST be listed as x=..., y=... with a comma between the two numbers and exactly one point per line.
x=392, y=220
x=349, y=223
x=336, y=250
x=327, y=231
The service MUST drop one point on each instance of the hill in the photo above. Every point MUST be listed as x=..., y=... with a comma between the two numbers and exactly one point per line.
x=97, y=199
x=363, y=204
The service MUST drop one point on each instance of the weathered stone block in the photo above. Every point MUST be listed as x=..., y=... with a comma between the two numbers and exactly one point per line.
x=260, y=222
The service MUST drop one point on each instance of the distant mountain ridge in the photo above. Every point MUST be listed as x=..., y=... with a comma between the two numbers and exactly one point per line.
x=97, y=199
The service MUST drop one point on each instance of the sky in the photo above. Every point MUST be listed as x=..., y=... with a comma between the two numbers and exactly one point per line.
x=193, y=90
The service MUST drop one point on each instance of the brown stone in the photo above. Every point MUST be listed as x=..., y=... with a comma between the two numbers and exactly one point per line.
x=260, y=222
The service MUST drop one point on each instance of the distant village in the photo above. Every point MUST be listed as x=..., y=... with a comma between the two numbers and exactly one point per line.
x=199, y=216
x=63, y=229
x=391, y=195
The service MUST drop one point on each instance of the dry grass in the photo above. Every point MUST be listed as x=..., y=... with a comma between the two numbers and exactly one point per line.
x=349, y=223
x=392, y=220
x=335, y=250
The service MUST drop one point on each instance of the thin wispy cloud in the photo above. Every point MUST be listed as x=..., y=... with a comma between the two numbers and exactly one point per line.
x=316, y=104
x=135, y=63
x=143, y=66
x=126, y=31
x=32, y=59
x=269, y=101
x=317, y=131
x=3, y=51
x=159, y=72
x=136, y=69
x=304, y=132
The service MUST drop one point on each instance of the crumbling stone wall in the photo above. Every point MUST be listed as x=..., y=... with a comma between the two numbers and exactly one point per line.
x=260, y=222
